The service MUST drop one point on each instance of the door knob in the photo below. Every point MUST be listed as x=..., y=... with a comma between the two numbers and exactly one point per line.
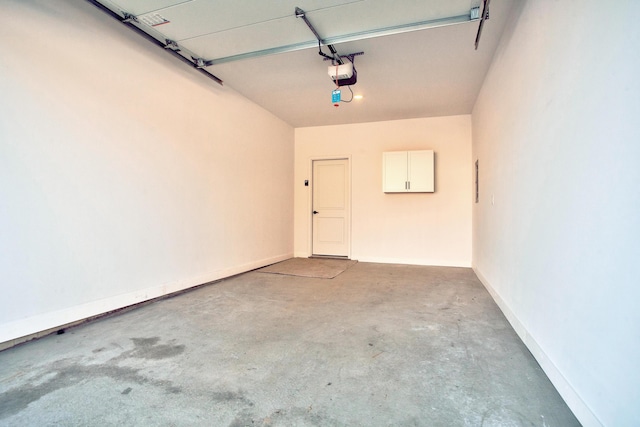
x=315, y=212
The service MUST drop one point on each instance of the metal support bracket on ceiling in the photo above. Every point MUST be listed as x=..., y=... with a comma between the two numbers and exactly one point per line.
x=170, y=46
x=129, y=18
x=199, y=62
x=484, y=17
x=378, y=32
x=351, y=57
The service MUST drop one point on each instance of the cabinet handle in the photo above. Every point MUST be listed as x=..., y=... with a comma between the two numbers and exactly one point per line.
x=409, y=185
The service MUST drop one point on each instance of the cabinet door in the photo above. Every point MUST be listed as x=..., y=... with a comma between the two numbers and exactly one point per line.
x=420, y=171
x=394, y=172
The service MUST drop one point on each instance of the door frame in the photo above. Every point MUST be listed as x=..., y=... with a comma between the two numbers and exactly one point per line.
x=310, y=200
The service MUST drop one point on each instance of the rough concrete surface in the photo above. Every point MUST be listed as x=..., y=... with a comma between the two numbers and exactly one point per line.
x=379, y=345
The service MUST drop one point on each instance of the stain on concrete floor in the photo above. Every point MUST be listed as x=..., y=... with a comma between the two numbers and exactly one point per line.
x=49, y=378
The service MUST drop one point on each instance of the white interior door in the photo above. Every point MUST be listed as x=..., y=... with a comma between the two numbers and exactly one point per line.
x=330, y=210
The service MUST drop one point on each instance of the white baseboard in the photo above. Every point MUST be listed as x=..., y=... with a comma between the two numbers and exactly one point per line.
x=389, y=260
x=22, y=330
x=426, y=262
x=568, y=393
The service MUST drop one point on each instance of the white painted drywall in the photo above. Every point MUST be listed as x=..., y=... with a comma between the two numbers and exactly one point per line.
x=556, y=235
x=124, y=174
x=417, y=228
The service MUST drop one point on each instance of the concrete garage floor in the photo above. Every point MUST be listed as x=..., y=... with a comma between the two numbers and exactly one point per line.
x=379, y=345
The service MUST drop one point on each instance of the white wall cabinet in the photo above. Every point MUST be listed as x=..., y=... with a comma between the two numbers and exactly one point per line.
x=408, y=171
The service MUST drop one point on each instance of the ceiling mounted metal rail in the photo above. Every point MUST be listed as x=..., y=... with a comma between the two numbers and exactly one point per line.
x=334, y=54
x=362, y=35
x=170, y=46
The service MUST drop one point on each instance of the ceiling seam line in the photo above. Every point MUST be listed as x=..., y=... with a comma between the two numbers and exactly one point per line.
x=239, y=26
x=165, y=8
x=399, y=29
x=233, y=28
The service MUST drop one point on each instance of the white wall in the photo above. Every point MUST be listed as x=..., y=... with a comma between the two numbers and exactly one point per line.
x=557, y=135
x=124, y=174
x=418, y=228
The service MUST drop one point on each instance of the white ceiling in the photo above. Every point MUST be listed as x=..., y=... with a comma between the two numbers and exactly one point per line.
x=418, y=73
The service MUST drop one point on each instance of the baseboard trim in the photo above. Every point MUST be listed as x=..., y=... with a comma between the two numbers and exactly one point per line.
x=425, y=262
x=580, y=409
x=22, y=330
